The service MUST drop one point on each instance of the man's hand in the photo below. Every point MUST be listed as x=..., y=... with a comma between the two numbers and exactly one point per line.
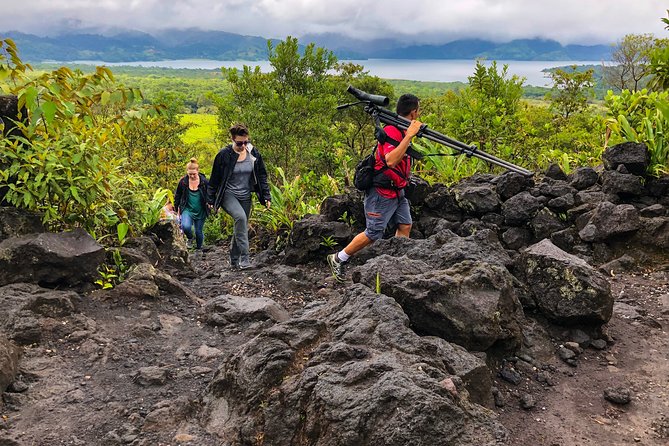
x=268, y=204
x=414, y=128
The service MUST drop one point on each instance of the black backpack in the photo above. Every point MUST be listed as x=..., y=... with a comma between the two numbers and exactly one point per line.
x=363, y=178
x=366, y=176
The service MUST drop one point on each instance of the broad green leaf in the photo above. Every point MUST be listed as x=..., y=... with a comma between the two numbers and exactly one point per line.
x=104, y=98
x=28, y=98
x=49, y=110
x=122, y=231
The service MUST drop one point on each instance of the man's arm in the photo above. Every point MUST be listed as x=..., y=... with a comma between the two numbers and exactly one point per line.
x=394, y=157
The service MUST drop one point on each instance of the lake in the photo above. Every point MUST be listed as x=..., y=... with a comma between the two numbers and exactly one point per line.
x=417, y=70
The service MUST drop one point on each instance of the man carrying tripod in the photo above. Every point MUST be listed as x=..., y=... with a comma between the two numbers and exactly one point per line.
x=385, y=201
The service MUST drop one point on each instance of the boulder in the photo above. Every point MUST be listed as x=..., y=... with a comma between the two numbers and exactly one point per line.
x=545, y=223
x=472, y=304
x=226, y=309
x=442, y=250
x=555, y=172
x=440, y=202
x=583, y=178
x=66, y=259
x=477, y=199
x=23, y=305
x=622, y=184
x=349, y=204
x=516, y=238
x=565, y=288
x=313, y=237
x=171, y=245
x=350, y=372
x=417, y=190
x=609, y=220
x=521, y=208
x=634, y=156
x=16, y=222
x=146, y=282
x=512, y=183
x=555, y=188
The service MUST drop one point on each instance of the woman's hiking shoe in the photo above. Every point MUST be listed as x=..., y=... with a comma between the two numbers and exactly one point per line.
x=336, y=266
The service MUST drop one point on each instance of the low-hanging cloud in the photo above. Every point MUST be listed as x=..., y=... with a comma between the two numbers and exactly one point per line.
x=427, y=21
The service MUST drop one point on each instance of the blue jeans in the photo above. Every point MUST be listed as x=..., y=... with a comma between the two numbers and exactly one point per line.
x=239, y=210
x=187, y=226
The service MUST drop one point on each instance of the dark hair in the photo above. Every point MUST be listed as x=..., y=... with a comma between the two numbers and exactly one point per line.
x=406, y=103
x=239, y=130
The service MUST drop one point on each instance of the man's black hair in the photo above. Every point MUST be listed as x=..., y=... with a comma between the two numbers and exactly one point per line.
x=239, y=130
x=406, y=103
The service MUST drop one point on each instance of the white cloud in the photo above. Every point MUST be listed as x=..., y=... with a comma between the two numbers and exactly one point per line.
x=434, y=21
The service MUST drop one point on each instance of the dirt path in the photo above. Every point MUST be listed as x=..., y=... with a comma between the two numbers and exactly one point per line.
x=573, y=411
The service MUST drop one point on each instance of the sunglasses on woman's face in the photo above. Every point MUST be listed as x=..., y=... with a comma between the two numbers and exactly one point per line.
x=241, y=143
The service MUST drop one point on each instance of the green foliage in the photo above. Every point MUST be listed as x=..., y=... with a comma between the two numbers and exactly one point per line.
x=571, y=90
x=202, y=138
x=485, y=113
x=218, y=227
x=293, y=199
x=348, y=219
x=642, y=117
x=194, y=86
x=112, y=274
x=152, y=146
x=289, y=110
x=658, y=68
x=65, y=163
x=328, y=242
x=569, y=142
x=447, y=169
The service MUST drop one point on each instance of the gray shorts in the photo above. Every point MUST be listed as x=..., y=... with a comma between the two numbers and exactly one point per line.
x=381, y=211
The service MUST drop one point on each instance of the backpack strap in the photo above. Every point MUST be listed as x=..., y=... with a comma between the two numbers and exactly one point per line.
x=382, y=137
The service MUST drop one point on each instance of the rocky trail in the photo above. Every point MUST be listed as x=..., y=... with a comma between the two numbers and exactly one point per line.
x=522, y=311
x=569, y=406
x=134, y=372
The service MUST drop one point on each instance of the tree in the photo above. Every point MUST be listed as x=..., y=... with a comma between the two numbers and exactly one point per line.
x=632, y=58
x=63, y=163
x=153, y=147
x=659, y=63
x=289, y=110
x=484, y=113
x=571, y=90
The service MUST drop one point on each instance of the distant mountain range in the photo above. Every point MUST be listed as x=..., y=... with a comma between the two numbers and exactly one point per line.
x=170, y=44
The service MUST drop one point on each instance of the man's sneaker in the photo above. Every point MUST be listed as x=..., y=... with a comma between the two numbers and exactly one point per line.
x=245, y=264
x=336, y=267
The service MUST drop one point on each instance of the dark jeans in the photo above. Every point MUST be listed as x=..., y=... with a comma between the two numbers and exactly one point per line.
x=239, y=210
x=187, y=226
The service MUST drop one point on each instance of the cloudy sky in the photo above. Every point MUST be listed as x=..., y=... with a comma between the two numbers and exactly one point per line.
x=429, y=21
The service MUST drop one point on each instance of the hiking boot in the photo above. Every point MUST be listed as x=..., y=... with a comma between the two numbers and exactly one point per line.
x=336, y=267
x=245, y=264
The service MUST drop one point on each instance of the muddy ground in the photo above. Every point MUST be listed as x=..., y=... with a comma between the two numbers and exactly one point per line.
x=126, y=372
